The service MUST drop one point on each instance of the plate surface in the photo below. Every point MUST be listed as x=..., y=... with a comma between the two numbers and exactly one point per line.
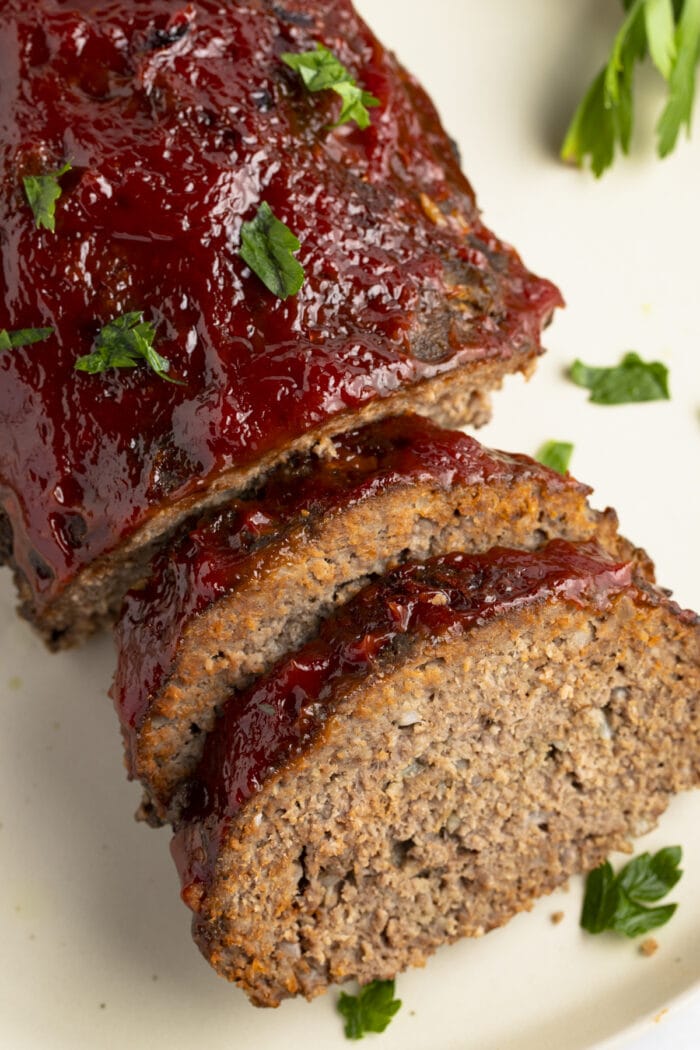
x=94, y=943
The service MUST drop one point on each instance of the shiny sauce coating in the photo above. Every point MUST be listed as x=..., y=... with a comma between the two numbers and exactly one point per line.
x=178, y=120
x=279, y=717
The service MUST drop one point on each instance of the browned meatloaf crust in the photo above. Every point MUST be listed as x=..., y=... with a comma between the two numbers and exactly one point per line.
x=180, y=121
x=254, y=580
x=460, y=738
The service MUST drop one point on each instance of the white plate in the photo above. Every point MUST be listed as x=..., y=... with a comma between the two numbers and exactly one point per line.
x=94, y=943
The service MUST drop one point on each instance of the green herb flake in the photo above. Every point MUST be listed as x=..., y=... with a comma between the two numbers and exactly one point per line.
x=321, y=70
x=681, y=79
x=370, y=1010
x=619, y=902
x=267, y=246
x=632, y=380
x=23, y=337
x=124, y=343
x=669, y=32
x=42, y=192
x=556, y=455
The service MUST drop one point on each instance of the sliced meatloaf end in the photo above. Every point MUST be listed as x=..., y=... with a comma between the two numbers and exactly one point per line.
x=254, y=580
x=408, y=301
x=459, y=739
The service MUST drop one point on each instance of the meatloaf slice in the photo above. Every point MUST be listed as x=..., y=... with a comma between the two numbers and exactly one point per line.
x=460, y=738
x=254, y=580
x=180, y=121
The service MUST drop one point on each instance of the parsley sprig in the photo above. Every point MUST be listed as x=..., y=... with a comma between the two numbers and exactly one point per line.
x=23, y=337
x=370, y=1010
x=267, y=245
x=42, y=192
x=619, y=902
x=321, y=70
x=631, y=380
x=556, y=455
x=125, y=342
x=669, y=32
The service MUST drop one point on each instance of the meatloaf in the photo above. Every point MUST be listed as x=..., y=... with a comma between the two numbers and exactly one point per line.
x=460, y=738
x=159, y=128
x=254, y=580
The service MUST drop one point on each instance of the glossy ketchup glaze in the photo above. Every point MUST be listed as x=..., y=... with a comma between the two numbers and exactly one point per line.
x=227, y=547
x=279, y=716
x=178, y=120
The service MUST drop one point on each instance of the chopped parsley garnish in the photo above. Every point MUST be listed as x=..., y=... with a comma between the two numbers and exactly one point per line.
x=23, y=337
x=556, y=455
x=370, y=1010
x=321, y=70
x=267, y=246
x=619, y=902
x=42, y=192
x=668, y=31
x=631, y=380
x=124, y=343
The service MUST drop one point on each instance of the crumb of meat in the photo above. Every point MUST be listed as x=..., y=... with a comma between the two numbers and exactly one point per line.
x=325, y=448
x=556, y=917
x=648, y=947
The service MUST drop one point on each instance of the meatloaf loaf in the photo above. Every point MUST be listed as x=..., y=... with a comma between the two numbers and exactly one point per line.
x=151, y=131
x=254, y=580
x=460, y=738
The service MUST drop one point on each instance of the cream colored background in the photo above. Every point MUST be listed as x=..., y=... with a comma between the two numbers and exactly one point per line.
x=94, y=944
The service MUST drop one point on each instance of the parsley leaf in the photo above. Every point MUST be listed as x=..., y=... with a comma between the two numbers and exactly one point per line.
x=556, y=455
x=370, y=1010
x=681, y=79
x=669, y=32
x=593, y=130
x=631, y=380
x=42, y=192
x=661, y=35
x=356, y=102
x=649, y=878
x=23, y=337
x=124, y=343
x=321, y=70
x=618, y=902
x=267, y=246
x=599, y=900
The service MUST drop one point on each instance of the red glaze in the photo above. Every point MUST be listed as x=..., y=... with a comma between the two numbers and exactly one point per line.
x=279, y=716
x=228, y=547
x=179, y=119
